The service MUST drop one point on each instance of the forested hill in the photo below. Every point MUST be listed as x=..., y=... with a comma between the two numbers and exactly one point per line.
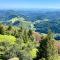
x=41, y=19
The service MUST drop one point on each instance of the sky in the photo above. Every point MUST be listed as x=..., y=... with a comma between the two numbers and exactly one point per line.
x=18, y=4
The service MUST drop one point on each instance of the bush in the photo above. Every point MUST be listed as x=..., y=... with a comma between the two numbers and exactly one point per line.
x=10, y=39
x=33, y=52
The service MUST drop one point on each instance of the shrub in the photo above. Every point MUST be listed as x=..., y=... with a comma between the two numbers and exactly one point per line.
x=5, y=38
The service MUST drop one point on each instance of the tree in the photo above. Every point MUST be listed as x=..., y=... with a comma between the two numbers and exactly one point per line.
x=47, y=48
x=1, y=29
x=9, y=27
x=30, y=33
x=52, y=51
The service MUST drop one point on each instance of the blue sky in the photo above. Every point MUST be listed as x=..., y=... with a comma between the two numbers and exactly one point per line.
x=11, y=4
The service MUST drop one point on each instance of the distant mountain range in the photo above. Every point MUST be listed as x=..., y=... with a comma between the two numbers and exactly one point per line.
x=41, y=19
x=31, y=15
